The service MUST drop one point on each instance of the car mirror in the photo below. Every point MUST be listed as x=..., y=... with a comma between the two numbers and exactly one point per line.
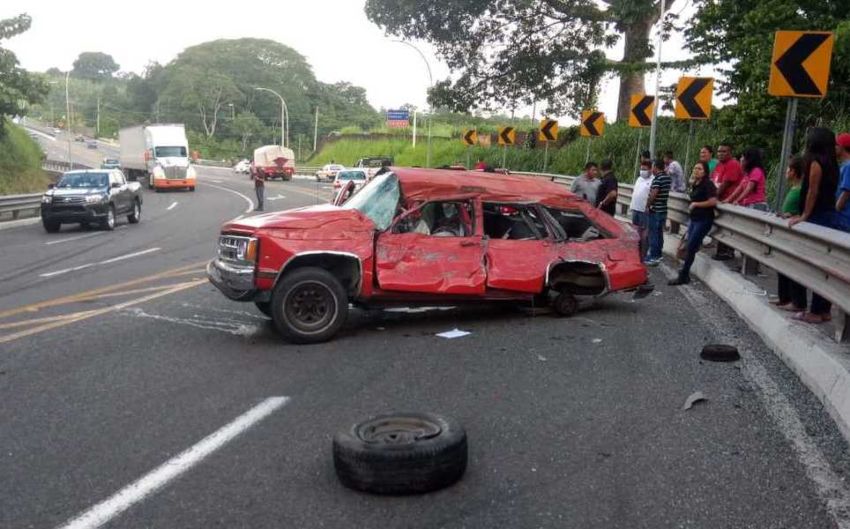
x=51, y=185
x=115, y=184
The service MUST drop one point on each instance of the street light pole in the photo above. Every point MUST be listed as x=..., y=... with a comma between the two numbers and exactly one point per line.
x=68, y=119
x=430, y=86
x=653, y=130
x=284, y=117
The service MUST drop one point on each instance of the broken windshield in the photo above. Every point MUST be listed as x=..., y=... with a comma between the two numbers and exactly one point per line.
x=378, y=200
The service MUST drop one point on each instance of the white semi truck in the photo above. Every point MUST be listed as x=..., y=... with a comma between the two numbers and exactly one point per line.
x=159, y=153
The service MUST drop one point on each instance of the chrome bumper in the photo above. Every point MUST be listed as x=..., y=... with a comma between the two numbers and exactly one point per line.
x=235, y=282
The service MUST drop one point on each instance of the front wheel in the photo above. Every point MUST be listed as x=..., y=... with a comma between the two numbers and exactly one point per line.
x=109, y=222
x=136, y=215
x=309, y=305
x=51, y=226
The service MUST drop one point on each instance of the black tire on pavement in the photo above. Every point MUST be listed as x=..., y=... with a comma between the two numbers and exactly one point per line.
x=136, y=215
x=51, y=226
x=720, y=353
x=109, y=222
x=309, y=305
x=565, y=304
x=401, y=453
x=265, y=307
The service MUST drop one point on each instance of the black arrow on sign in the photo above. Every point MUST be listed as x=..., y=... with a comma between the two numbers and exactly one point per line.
x=547, y=130
x=688, y=97
x=790, y=65
x=640, y=111
x=468, y=137
x=506, y=135
x=589, y=123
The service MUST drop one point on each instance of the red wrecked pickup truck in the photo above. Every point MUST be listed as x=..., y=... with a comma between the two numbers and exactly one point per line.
x=425, y=237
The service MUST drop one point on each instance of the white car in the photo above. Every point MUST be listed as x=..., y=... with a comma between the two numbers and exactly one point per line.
x=328, y=172
x=358, y=176
x=243, y=166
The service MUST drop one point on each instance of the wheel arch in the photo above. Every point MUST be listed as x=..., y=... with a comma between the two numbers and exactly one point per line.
x=579, y=277
x=346, y=266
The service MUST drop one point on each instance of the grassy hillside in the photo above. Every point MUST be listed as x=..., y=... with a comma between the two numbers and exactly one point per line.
x=20, y=163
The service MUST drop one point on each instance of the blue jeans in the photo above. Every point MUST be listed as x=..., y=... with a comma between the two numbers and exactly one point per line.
x=697, y=230
x=639, y=220
x=655, y=226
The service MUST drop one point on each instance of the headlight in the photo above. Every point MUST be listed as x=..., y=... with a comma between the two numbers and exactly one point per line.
x=94, y=199
x=246, y=250
x=47, y=199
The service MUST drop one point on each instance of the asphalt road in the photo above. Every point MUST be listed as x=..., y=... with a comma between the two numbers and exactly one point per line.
x=110, y=368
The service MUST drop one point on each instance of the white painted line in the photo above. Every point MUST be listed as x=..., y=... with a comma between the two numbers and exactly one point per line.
x=148, y=484
x=216, y=181
x=77, y=238
x=248, y=200
x=278, y=197
x=108, y=261
x=172, y=206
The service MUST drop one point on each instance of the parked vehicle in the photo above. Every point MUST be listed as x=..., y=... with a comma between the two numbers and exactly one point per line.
x=274, y=161
x=357, y=176
x=91, y=196
x=158, y=152
x=91, y=144
x=242, y=166
x=328, y=172
x=110, y=163
x=79, y=138
x=425, y=237
x=372, y=164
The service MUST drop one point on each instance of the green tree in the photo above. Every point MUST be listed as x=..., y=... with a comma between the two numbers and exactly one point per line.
x=94, y=65
x=520, y=51
x=200, y=95
x=247, y=126
x=740, y=34
x=18, y=88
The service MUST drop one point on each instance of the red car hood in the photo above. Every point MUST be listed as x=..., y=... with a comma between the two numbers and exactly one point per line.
x=324, y=218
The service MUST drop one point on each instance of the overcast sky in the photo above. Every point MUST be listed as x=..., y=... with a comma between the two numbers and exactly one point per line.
x=334, y=35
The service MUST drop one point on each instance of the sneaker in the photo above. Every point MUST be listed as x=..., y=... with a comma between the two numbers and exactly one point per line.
x=678, y=281
x=653, y=262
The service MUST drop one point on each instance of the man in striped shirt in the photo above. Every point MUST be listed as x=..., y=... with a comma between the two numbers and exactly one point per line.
x=656, y=205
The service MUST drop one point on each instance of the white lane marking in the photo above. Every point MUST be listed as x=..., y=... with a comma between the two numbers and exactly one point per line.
x=829, y=486
x=148, y=484
x=77, y=238
x=108, y=261
x=172, y=206
x=278, y=197
x=229, y=326
x=248, y=200
x=216, y=181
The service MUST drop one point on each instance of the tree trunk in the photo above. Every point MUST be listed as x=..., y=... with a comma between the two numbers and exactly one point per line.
x=637, y=51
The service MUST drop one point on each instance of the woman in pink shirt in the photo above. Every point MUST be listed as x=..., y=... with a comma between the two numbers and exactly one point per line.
x=751, y=191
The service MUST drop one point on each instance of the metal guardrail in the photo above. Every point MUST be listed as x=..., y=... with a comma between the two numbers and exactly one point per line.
x=17, y=204
x=813, y=256
x=57, y=166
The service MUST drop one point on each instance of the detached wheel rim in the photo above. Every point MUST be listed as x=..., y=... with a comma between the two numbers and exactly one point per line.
x=397, y=430
x=310, y=307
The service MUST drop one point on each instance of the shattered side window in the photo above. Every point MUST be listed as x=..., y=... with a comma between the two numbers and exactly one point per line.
x=378, y=200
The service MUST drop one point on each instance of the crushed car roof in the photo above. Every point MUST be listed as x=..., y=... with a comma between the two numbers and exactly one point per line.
x=424, y=184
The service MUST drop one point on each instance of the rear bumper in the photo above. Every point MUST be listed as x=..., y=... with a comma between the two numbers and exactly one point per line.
x=235, y=282
x=171, y=183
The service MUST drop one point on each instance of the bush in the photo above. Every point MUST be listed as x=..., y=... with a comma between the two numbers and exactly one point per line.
x=20, y=162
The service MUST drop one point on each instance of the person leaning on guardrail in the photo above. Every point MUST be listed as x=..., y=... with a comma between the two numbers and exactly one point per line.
x=817, y=201
x=726, y=176
x=792, y=295
x=750, y=192
x=586, y=185
x=703, y=194
x=842, y=196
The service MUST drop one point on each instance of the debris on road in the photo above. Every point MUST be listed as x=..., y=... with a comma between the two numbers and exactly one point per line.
x=597, y=340
x=695, y=397
x=454, y=333
x=541, y=358
x=720, y=353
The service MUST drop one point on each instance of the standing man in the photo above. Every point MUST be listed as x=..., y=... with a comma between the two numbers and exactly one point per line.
x=480, y=165
x=259, y=187
x=606, y=195
x=726, y=176
x=659, y=192
x=586, y=185
x=706, y=154
x=842, y=201
x=677, y=175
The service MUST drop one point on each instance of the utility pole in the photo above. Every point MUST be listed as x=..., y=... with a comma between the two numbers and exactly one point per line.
x=414, y=128
x=97, y=120
x=68, y=121
x=654, y=129
x=316, y=131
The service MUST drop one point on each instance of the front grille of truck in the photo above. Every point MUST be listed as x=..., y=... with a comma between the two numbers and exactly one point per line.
x=68, y=201
x=175, y=172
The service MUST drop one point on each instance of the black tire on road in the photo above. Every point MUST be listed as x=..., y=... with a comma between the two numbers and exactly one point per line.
x=720, y=353
x=136, y=215
x=109, y=222
x=265, y=307
x=309, y=305
x=401, y=453
x=51, y=226
x=565, y=304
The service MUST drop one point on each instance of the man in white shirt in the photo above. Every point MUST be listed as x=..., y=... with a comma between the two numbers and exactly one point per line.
x=677, y=175
x=640, y=194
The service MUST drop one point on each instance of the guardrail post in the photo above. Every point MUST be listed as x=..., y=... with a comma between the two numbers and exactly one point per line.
x=624, y=210
x=15, y=215
x=842, y=327
x=749, y=266
x=674, y=227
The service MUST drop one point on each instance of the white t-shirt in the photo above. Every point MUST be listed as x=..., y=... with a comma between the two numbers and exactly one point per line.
x=640, y=193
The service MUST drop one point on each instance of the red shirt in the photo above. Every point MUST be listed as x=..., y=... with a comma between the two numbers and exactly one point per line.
x=729, y=171
x=480, y=166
